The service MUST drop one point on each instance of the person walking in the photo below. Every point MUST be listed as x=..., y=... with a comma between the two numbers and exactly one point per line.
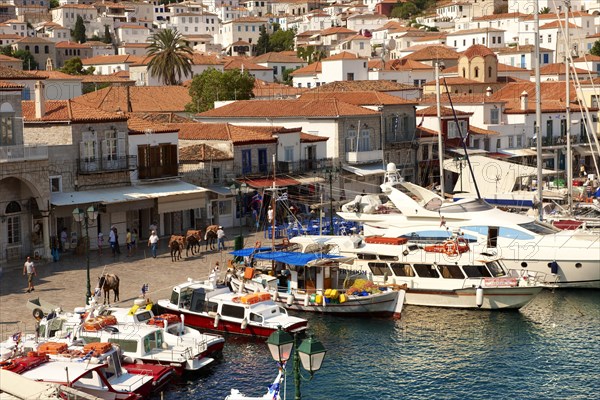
x=128, y=243
x=153, y=243
x=112, y=241
x=117, y=247
x=134, y=238
x=63, y=239
x=100, y=242
x=29, y=270
x=221, y=238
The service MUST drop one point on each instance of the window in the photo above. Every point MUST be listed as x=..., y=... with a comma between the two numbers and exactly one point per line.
x=229, y=310
x=246, y=161
x=36, y=49
x=476, y=271
x=289, y=153
x=489, y=72
x=476, y=72
x=364, y=140
x=498, y=144
x=216, y=174
x=451, y=272
x=494, y=116
x=7, y=136
x=351, y=143
x=519, y=141
x=47, y=50
x=350, y=76
x=402, y=269
x=476, y=143
x=464, y=71
x=109, y=151
x=453, y=131
x=426, y=271
x=275, y=70
x=549, y=38
x=425, y=152
x=262, y=160
x=511, y=142
x=55, y=184
x=379, y=268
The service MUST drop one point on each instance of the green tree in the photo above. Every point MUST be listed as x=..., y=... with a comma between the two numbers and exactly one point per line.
x=213, y=85
x=282, y=40
x=74, y=66
x=107, y=35
x=404, y=11
x=54, y=4
x=595, y=50
x=29, y=62
x=545, y=10
x=310, y=54
x=262, y=45
x=79, y=30
x=172, y=56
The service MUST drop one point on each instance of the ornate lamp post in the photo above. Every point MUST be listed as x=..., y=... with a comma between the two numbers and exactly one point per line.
x=85, y=216
x=310, y=353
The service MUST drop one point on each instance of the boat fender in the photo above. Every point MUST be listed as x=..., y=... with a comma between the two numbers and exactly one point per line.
x=165, y=345
x=275, y=296
x=244, y=323
x=217, y=319
x=290, y=299
x=182, y=324
x=479, y=296
x=165, y=324
x=241, y=288
x=553, y=267
x=128, y=360
x=306, y=301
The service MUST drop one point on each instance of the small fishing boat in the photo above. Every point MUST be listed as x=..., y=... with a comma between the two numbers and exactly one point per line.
x=206, y=305
x=440, y=275
x=314, y=282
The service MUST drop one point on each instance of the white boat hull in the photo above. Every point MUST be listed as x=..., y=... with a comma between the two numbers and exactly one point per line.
x=493, y=298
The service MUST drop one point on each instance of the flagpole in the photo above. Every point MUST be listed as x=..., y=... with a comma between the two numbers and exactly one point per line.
x=439, y=118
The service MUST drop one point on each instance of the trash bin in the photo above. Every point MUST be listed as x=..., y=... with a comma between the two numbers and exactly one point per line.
x=238, y=244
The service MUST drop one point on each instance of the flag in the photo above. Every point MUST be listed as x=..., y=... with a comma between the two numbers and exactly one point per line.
x=283, y=197
x=145, y=287
x=466, y=138
x=17, y=337
x=422, y=120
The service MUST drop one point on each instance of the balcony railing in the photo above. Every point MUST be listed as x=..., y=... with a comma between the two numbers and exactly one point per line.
x=363, y=157
x=23, y=152
x=283, y=167
x=398, y=137
x=559, y=140
x=156, y=172
x=105, y=164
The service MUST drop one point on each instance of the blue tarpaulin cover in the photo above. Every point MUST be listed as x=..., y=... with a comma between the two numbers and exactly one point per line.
x=291, y=258
x=248, y=251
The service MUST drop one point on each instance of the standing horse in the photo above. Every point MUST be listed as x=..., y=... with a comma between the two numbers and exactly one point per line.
x=175, y=245
x=192, y=241
x=108, y=282
x=211, y=236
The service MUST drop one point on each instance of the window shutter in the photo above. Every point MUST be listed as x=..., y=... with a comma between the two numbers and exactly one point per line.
x=81, y=150
x=121, y=143
x=104, y=149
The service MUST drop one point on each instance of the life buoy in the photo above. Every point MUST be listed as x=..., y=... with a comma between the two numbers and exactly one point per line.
x=463, y=245
x=235, y=299
x=450, y=248
x=257, y=245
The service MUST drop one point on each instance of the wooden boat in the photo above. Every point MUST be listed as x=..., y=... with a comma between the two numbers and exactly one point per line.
x=206, y=305
x=315, y=284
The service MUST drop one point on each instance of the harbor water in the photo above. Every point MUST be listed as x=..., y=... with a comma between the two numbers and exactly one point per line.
x=548, y=350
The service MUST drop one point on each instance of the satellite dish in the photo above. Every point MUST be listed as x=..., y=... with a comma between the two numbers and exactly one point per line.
x=391, y=44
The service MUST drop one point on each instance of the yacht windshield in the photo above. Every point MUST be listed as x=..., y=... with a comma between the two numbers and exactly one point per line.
x=467, y=206
x=539, y=228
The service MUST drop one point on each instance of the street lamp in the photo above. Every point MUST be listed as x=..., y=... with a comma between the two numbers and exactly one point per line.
x=238, y=192
x=80, y=216
x=310, y=353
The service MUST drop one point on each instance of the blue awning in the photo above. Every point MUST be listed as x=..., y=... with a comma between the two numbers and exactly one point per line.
x=291, y=258
x=248, y=251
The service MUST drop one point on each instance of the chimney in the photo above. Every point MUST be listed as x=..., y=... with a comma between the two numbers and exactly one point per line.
x=40, y=101
x=524, y=100
x=488, y=91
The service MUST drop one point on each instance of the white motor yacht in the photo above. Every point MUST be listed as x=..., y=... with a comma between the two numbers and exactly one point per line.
x=419, y=215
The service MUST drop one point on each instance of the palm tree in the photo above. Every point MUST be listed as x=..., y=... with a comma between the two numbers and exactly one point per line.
x=171, y=56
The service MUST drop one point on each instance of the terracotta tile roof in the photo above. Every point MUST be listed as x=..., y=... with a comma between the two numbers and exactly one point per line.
x=308, y=138
x=444, y=111
x=97, y=43
x=240, y=43
x=104, y=79
x=553, y=97
x=55, y=75
x=398, y=65
x=480, y=131
x=528, y=48
x=287, y=108
x=458, y=80
x=4, y=58
x=310, y=69
x=164, y=118
x=71, y=45
x=587, y=57
x=507, y=68
x=459, y=98
x=131, y=26
x=202, y=152
x=474, y=31
x=11, y=73
x=82, y=6
x=356, y=37
x=112, y=59
x=307, y=33
x=367, y=98
x=226, y=132
x=558, y=69
x=344, y=55
x=245, y=64
x=432, y=36
x=10, y=85
x=138, y=99
x=34, y=39
x=10, y=36
x=478, y=50
x=278, y=57
x=138, y=125
x=336, y=30
x=274, y=90
x=121, y=74
x=494, y=17
x=250, y=20
x=551, y=16
x=558, y=25
x=362, y=86
x=68, y=111
x=134, y=45
x=433, y=53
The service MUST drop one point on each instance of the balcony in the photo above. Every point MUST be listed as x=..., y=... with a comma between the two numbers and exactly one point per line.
x=364, y=157
x=157, y=172
x=294, y=167
x=23, y=153
x=105, y=164
x=398, y=137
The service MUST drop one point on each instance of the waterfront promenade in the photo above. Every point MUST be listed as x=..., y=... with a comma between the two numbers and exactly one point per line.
x=63, y=283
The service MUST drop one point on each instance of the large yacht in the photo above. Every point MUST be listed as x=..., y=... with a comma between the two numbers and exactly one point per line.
x=405, y=210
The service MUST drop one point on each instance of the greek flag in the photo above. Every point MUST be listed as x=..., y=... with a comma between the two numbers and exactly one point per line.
x=17, y=337
x=86, y=357
x=283, y=197
x=145, y=287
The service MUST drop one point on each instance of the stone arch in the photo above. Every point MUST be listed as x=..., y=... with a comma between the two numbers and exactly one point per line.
x=6, y=108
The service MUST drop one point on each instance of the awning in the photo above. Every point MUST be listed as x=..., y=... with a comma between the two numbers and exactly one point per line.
x=291, y=258
x=268, y=182
x=222, y=190
x=461, y=151
x=584, y=150
x=310, y=180
x=366, y=170
x=520, y=152
x=129, y=193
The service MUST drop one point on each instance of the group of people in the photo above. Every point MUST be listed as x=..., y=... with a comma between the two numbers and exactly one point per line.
x=131, y=238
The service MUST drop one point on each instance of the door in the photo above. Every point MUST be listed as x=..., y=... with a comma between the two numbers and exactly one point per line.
x=492, y=239
x=523, y=61
x=262, y=161
x=549, y=132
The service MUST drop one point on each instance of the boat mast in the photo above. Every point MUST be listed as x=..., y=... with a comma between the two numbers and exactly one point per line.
x=538, y=107
x=438, y=66
x=569, y=161
x=273, y=202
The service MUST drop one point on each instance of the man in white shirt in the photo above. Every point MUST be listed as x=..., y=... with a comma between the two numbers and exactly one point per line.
x=29, y=269
x=270, y=215
x=153, y=243
x=221, y=238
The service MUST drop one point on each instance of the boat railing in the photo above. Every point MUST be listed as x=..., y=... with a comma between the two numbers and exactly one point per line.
x=534, y=278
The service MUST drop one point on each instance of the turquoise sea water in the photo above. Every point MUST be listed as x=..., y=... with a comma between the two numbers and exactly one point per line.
x=548, y=350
